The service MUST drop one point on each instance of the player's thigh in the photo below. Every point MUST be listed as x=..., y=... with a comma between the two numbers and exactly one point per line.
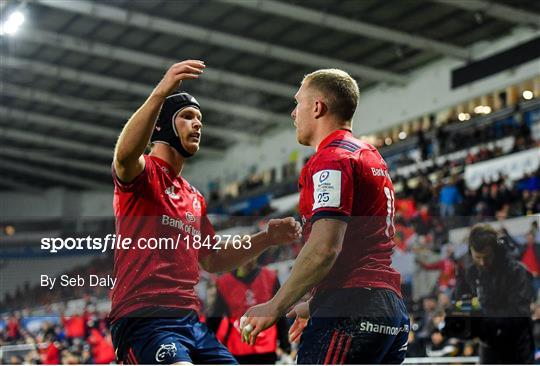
x=319, y=341
x=207, y=349
x=339, y=341
x=368, y=348
x=397, y=352
x=352, y=341
x=160, y=347
x=156, y=340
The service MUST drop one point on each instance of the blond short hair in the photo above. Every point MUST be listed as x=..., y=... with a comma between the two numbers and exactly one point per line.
x=339, y=88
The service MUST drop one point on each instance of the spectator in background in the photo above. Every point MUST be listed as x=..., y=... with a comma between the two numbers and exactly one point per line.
x=429, y=311
x=470, y=348
x=423, y=144
x=423, y=193
x=519, y=144
x=75, y=326
x=449, y=197
x=86, y=357
x=102, y=351
x=440, y=232
x=415, y=347
x=13, y=328
x=441, y=136
x=447, y=268
x=15, y=360
x=530, y=256
x=51, y=352
x=440, y=346
x=525, y=132
x=531, y=200
x=531, y=182
x=32, y=357
x=422, y=221
x=535, y=230
x=423, y=281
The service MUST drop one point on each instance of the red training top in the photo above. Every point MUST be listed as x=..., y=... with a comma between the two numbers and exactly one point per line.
x=239, y=296
x=102, y=348
x=447, y=278
x=530, y=261
x=75, y=325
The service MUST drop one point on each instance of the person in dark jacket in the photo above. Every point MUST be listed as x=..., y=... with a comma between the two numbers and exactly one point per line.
x=503, y=288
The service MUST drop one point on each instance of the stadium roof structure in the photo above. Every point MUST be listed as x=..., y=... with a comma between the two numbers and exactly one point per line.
x=77, y=68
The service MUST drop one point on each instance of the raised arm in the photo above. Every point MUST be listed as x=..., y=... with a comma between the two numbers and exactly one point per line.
x=135, y=136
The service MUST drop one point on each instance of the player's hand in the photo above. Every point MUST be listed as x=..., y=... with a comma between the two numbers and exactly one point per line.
x=257, y=319
x=301, y=314
x=283, y=231
x=185, y=70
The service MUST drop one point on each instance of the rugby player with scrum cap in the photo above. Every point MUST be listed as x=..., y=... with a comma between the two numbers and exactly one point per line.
x=154, y=310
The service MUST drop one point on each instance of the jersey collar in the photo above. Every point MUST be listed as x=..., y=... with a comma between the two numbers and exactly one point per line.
x=163, y=164
x=341, y=133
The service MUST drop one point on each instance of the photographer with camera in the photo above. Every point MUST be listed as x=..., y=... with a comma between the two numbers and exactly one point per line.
x=501, y=289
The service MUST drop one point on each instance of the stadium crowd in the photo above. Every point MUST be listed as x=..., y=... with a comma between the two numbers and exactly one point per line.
x=432, y=142
x=80, y=338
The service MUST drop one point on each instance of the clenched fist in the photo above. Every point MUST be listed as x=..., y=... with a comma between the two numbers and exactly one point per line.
x=283, y=231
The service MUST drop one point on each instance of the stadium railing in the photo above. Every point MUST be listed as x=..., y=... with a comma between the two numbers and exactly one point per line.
x=17, y=349
x=441, y=360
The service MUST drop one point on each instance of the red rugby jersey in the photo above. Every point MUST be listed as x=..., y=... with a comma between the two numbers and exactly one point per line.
x=157, y=204
x=348, y=179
